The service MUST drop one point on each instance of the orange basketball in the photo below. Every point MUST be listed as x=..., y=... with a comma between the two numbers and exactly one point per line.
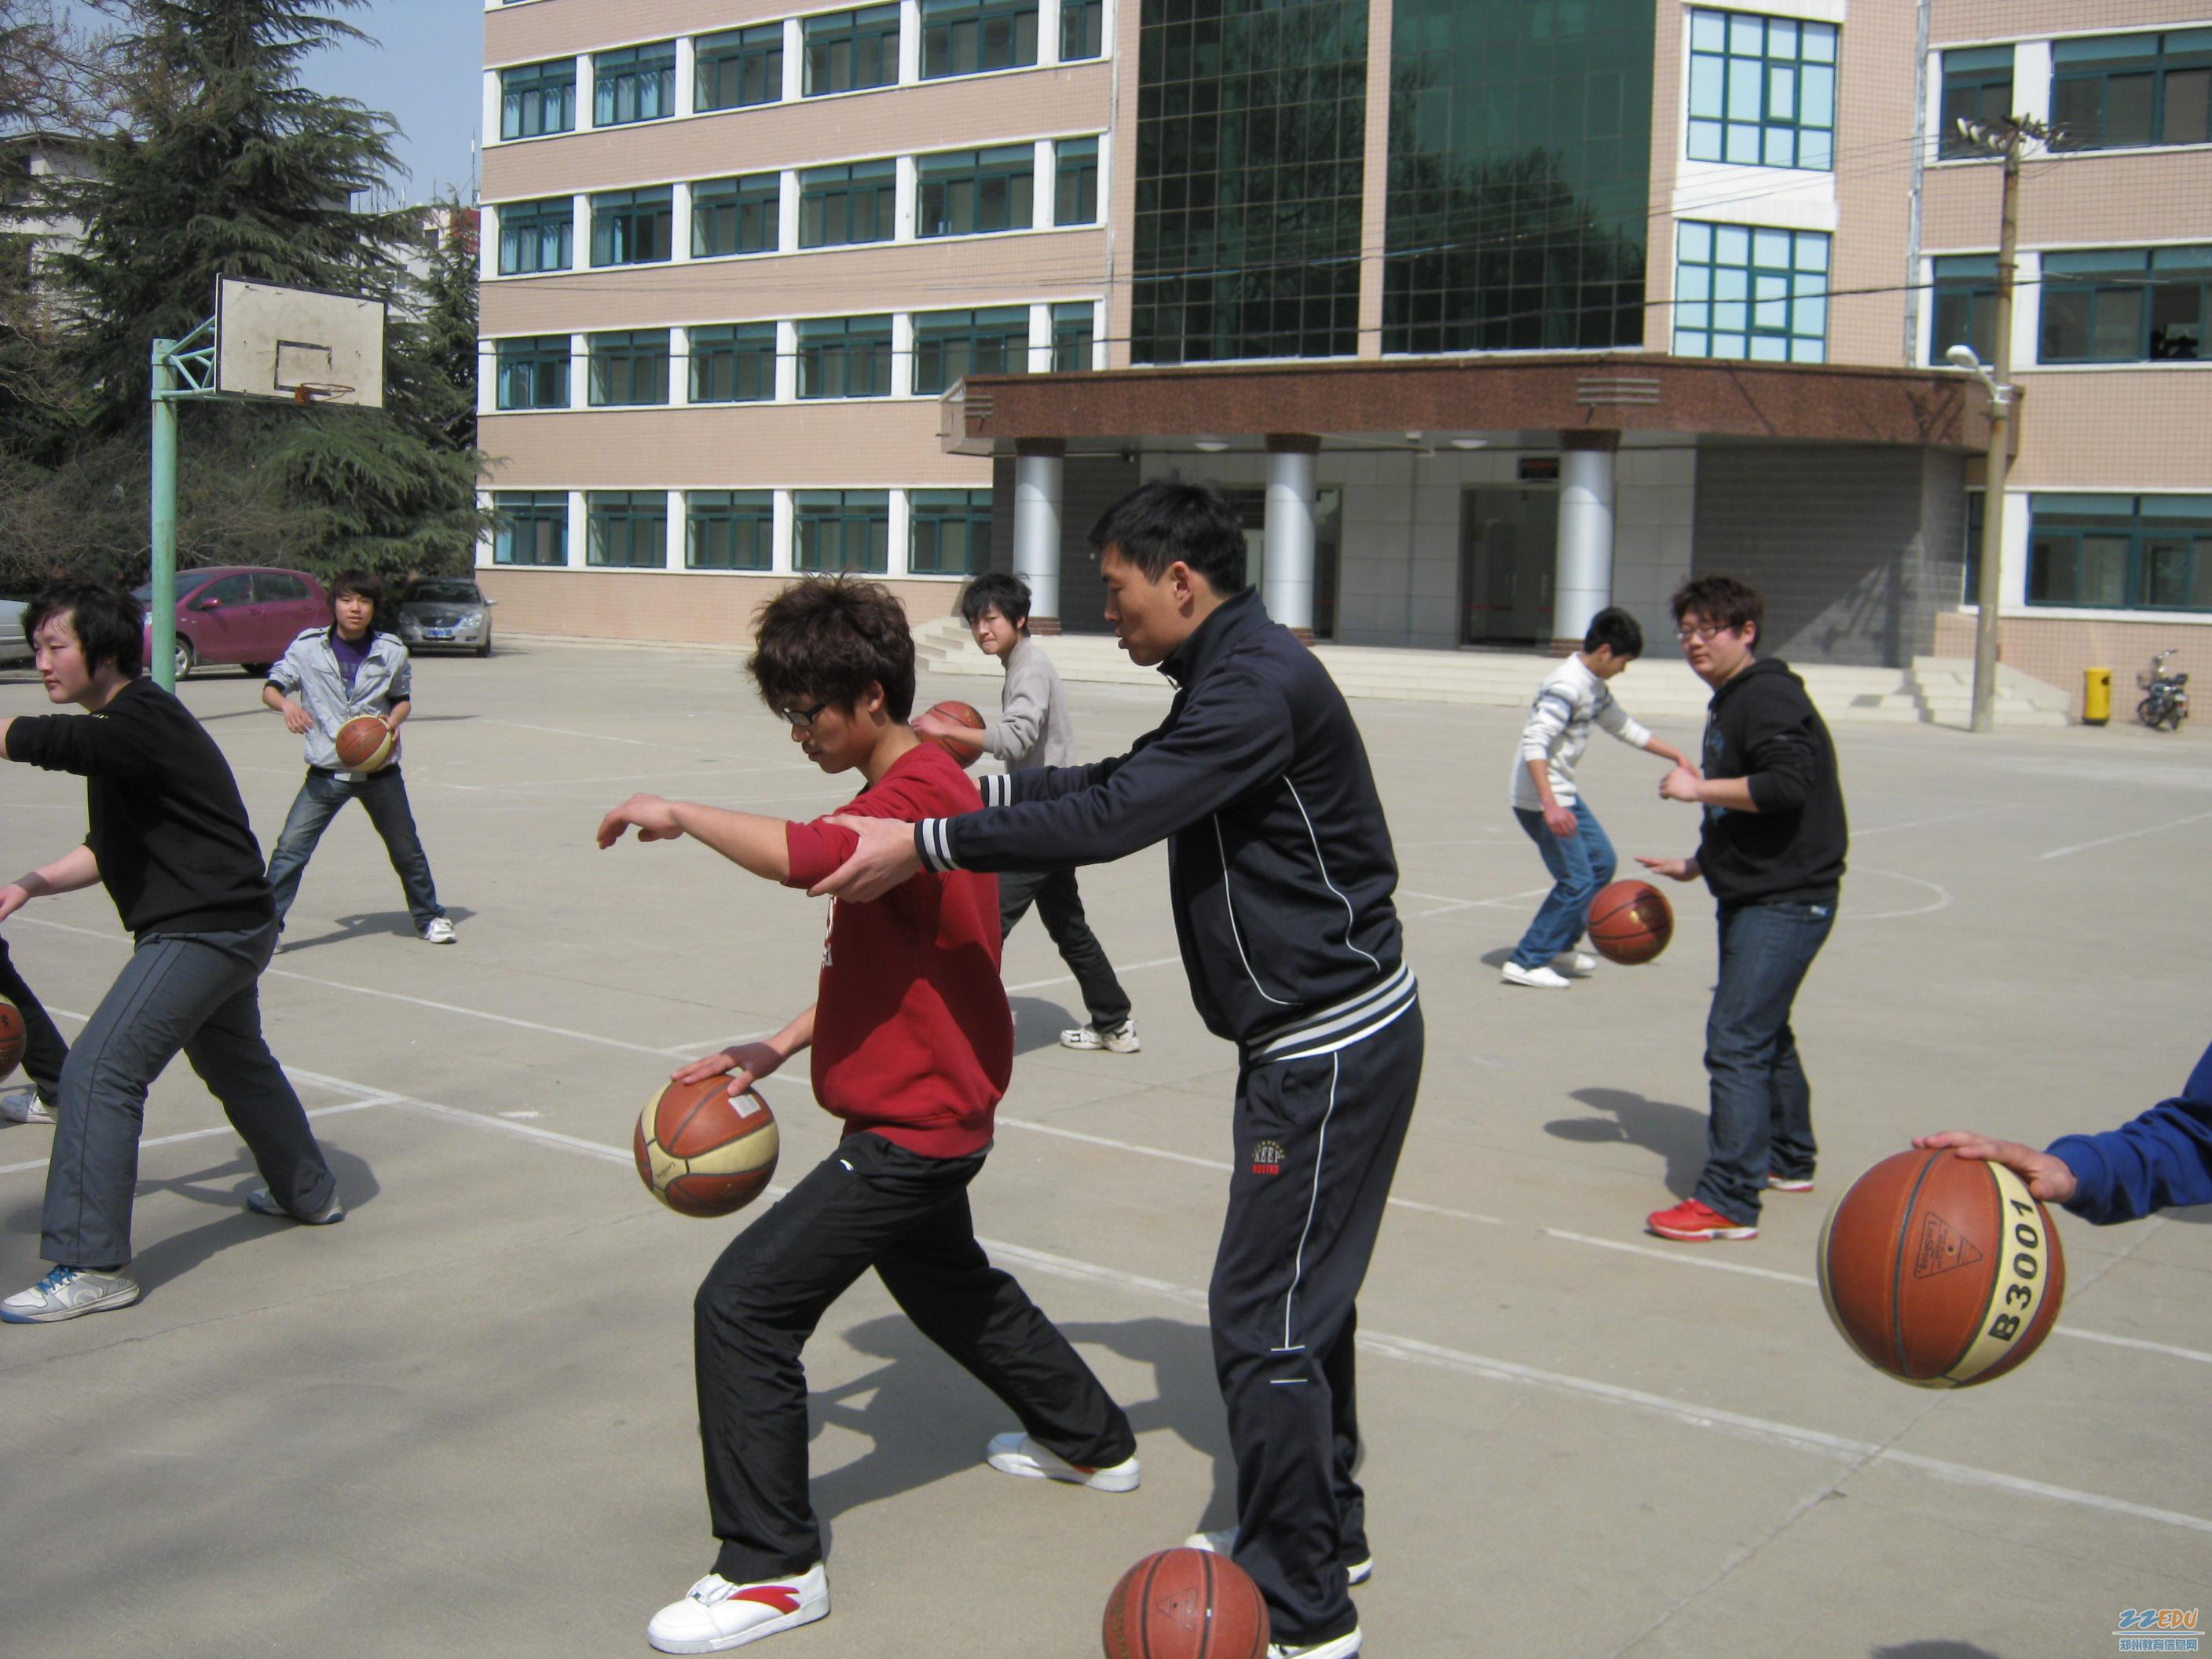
x=364, y=742
x=1942, y=1270
x=1186, y=1604
x=11, y=1039
x=704, y=1153
x=1630, y=922
x=960, y=749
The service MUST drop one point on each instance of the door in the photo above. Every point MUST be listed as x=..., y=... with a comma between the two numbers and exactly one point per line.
x=219, y=620
x=288, y=610
x=1508, y=552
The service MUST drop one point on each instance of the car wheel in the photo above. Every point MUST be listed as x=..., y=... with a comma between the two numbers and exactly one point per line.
x=185, y=659
x=484, y=650
x=255, y=671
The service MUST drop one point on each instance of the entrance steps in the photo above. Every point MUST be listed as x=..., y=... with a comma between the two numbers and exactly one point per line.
x=1934, y=689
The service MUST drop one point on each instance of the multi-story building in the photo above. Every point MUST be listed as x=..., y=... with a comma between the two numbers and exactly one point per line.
x=1488, y=312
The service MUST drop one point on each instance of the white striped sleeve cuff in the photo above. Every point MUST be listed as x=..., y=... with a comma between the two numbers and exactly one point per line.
x=930, y=841
x=998, y=788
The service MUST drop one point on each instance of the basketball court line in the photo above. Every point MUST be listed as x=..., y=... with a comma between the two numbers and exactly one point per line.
x=1943, y=899
x=2130, y=834
x=1857, y=1454
x=217, y=1128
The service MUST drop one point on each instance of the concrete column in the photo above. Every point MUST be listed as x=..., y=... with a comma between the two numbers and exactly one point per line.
x=586, y=92
x=1583, y=575
x=493, y=96
x=1039, y=480
x=1048, y=35
x=679, y=222
x=794, y=60
x=780, y=558
x=1288, y=582
x=687, y=74
x=674, y=539
x=909, y=42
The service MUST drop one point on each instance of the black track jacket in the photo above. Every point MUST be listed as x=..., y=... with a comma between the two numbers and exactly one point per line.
x=1280, y=868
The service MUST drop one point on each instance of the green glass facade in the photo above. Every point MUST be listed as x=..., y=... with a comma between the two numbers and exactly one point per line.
x=1519, y=174
x=1251, y=121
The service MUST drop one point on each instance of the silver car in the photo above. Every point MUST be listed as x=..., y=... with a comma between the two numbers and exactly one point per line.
x=13, y=647
x=445, y=613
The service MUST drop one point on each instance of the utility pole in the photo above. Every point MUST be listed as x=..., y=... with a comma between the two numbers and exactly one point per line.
x=2008, y=137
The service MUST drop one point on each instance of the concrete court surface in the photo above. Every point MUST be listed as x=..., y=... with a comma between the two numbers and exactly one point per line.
x=462, y=1421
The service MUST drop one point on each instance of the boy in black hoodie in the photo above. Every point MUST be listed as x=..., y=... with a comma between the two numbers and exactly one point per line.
x=1772, y=852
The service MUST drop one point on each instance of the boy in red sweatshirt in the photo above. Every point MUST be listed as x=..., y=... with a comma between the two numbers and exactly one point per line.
x=913, y=1043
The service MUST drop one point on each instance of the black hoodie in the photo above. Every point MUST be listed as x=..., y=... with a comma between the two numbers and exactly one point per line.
x=1761, y=726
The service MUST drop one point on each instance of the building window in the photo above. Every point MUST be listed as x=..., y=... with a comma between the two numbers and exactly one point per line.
x=968, y=192
x=843, y=205
x=735, y=215
x=629, y=369
x=536, y=236
x=627, y=527
x=729, y=529
x=950, y=345
x=740, y=69
x=1742, y=291
x=841, y=530
x=637, y=83
x=537, y=98
x=531, y=527
x=966, y=37
x=2121, y=552
x=845, y=357
x=850, y=51
x=734, y=364
x=2125, y=305
x=2124, y=91
x=1073, y=330
x=949, y=531
x=1075, y=182
x=1966, y=306
x=1977, y=86
x=1082, y=29
x=633, y=227
x=1762, y=90
x=534, y=374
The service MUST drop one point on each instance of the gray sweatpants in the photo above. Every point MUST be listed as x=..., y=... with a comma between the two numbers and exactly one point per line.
x=200, y=993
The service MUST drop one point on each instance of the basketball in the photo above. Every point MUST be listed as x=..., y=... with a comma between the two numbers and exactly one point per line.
x=364, y=742
x=1630, y=922
x=11, y=1039
x=1186, y=1604
x=960, y=749
x=1942, y=1270
x=704, y=1153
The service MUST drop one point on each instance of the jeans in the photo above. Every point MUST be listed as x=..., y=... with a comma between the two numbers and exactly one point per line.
x=383, y=797
x=1762, y=1107
x=1580, y=865
x=1061, y=908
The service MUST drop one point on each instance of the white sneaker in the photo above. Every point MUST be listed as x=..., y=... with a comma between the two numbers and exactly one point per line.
x=24, y=1106
x=65, y=1293
x=1121, y=1040
x=1224, y=1543
x=438, y=931
x=1342, y=1647
x=1536, y=978
x=1575, y=964
x=1017, y=1453
x=716, y=1615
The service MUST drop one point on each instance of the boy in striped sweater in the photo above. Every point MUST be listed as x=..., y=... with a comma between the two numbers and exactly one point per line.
x=1549, y=806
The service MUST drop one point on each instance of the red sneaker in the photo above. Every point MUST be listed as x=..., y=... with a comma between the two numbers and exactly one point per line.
x=1695, y=1221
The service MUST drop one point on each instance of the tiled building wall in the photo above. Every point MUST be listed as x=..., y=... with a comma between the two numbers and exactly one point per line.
x=671, y=607
x=2057, y=650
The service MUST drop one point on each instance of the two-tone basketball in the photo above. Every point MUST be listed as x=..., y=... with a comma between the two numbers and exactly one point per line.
x=1942, y=1270
x=701, y=1151
x=1186, y=1604
x=364, y=742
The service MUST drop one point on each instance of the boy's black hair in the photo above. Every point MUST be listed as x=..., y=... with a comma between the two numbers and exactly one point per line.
x=110, y=625
x=1722, y=600
x=1157, y=523
x=994, y=590
x=1614, y=627
x=367, y=583
x=833, y=637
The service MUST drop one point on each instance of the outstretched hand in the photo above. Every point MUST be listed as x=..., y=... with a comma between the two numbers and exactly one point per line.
x=1673, y=869
x=2047, y=1177
x=746, y=1062
x=653, y=819
x=1680, y=784
x=885, y=859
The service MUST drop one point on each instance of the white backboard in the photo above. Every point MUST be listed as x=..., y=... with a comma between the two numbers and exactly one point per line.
x=272, y=341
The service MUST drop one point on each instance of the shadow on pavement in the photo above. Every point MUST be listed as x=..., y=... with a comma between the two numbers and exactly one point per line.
x=1940, y=1649
x=225, y=1185
x=1677, y=1133
x=1038, y=1024
x=369, y=926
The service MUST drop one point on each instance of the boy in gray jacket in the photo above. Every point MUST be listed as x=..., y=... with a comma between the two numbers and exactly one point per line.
x=1034, y=730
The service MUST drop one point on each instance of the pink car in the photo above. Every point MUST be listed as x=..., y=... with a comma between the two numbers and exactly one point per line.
x=237, y=614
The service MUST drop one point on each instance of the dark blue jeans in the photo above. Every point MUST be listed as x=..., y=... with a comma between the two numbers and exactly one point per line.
x=1762, y=1107
x=1580, y=863
x=383, y=797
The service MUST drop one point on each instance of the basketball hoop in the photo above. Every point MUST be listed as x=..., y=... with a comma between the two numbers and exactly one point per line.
x=316, y=392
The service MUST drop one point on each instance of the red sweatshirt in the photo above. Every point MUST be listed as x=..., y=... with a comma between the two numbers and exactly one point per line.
x=912, y=1038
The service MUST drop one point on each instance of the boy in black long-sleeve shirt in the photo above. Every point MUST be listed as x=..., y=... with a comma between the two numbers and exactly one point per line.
x=1772, y=853
x=170, y=841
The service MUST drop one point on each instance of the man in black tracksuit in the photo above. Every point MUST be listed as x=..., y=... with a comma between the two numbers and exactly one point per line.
x=1772, y=853
x=1281, y=872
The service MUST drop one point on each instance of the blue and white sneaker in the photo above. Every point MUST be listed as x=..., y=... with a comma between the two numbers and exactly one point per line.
x=716, y=1615
x=24, y=1106
x=65, y=1293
